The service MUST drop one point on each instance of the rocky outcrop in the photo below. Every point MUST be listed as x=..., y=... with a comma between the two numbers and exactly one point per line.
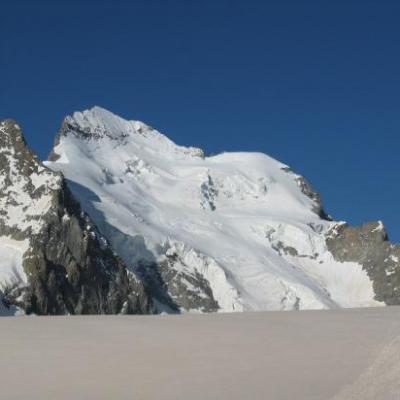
x=307, y=189
x=70, y=268
x=177, y=287
x=369, y=246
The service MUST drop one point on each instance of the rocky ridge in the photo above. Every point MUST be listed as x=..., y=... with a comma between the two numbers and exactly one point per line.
x=64, y=266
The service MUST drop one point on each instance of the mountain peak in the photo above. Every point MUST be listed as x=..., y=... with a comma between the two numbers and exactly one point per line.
x=98, y=124
x=11, y=134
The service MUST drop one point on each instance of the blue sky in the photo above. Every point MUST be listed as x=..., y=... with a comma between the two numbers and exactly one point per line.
x=315, y=84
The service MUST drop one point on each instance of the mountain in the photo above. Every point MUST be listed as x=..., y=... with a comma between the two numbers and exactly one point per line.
x=53, y=260
x=231, y=232
x=123, y=220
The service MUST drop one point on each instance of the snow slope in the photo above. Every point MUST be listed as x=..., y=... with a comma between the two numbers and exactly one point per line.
x=11, y=271
x=312, y=355
x=243, y=222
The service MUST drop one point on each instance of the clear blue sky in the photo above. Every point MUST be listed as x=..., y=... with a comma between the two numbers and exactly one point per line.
x=315, y=84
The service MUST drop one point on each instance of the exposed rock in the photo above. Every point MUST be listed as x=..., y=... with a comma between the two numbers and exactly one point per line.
x=369, y=246
x=178, y=286
x=208, y=194
x=309, y=191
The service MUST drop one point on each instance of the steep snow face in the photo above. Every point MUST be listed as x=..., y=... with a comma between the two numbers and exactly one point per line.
x=11, y=271
x=243, y=222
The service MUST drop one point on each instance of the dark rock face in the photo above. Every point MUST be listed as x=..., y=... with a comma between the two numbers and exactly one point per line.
x=175, y=285
x=70, y=267
x=369, y=246
x=309, y=191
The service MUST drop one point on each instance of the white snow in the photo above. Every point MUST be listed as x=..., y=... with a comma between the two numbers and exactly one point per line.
x=379, y=227
x=231, y=216
x=11, y=271
x=331, y=355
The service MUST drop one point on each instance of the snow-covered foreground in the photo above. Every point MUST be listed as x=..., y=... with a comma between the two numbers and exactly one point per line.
x=338, y=354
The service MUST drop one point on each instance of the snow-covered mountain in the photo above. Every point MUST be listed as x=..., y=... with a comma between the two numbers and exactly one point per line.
x=231, y=232
x=142, y=225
